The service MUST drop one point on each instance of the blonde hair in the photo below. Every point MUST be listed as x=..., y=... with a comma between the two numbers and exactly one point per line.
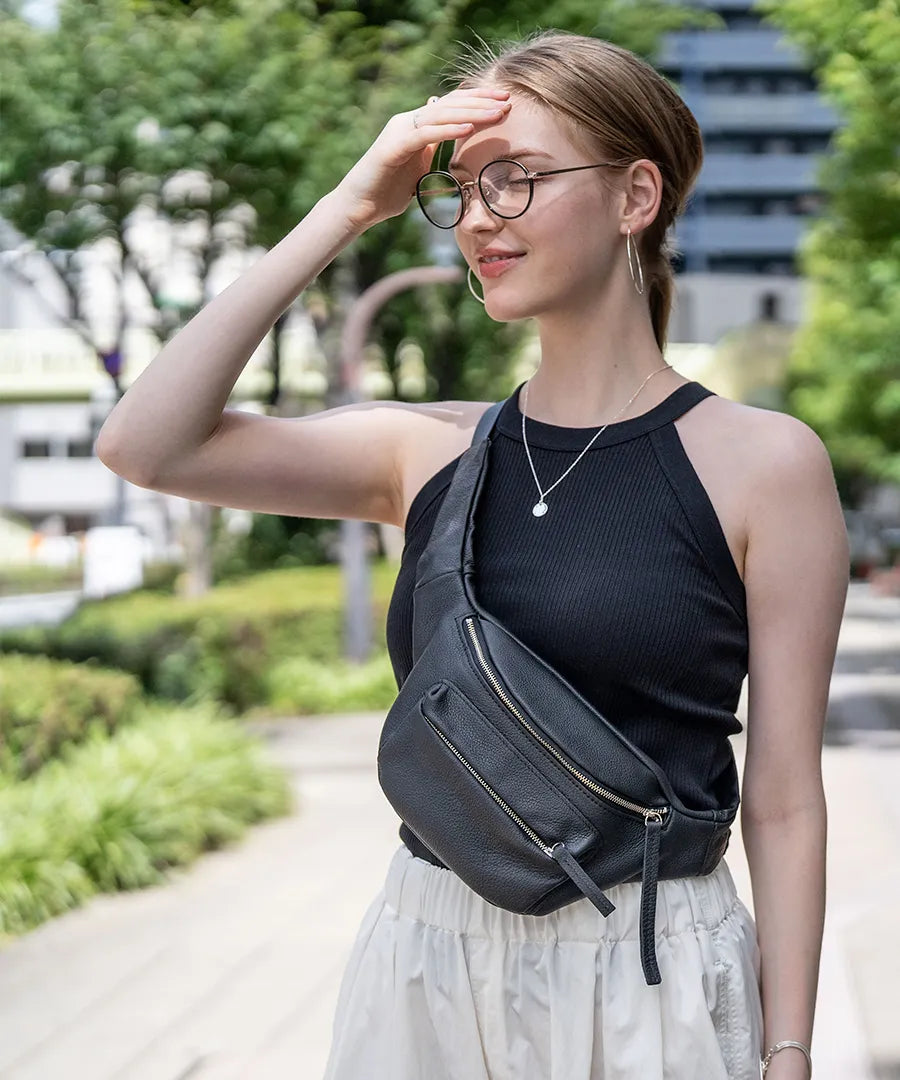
x=614, y=104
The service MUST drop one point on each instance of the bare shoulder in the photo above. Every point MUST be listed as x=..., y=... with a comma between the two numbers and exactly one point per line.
x=435, y=433
x=767, y=447
x=796, y=533
x=745, y=457
x=780, y=451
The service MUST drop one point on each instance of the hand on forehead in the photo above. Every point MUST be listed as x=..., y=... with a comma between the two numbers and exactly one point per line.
x=529, y=132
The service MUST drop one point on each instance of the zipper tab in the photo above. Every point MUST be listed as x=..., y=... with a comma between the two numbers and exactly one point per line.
x=557, y=851
x=582, y=879
x=649, y=877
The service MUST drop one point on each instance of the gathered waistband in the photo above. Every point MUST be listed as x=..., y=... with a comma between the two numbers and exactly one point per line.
x=439, y=897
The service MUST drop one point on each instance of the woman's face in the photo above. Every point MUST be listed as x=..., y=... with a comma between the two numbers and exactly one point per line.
x=563, y=248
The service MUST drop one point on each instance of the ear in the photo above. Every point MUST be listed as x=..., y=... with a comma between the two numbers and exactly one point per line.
x=641, y=189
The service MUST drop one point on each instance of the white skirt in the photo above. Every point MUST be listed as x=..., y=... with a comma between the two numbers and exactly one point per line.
x=442, y=985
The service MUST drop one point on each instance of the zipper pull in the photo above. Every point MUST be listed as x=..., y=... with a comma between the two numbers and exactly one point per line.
x=652, y=828
x=579, y=875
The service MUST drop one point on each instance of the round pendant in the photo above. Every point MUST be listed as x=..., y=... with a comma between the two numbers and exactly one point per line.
x=539, y=509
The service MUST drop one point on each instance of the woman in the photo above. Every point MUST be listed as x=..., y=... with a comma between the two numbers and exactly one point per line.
x=675, y=542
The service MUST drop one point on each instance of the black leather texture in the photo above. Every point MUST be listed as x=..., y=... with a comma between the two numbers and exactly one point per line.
x=493, y=759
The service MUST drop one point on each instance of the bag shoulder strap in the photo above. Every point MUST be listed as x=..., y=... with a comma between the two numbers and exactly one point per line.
x=486, y=423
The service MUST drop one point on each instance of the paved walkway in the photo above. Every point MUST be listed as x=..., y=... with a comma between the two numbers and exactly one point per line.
x=231, y=970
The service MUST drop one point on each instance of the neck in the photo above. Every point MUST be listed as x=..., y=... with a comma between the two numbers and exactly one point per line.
x=594, y=358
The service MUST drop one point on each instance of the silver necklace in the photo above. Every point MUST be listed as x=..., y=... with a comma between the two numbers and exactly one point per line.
x=540, y=507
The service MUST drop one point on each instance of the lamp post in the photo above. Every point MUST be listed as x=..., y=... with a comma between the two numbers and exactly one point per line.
x=444, y=254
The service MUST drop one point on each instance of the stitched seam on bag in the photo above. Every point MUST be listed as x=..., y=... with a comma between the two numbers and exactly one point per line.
x=546, y=755
x=434, y=577
x=713, y=835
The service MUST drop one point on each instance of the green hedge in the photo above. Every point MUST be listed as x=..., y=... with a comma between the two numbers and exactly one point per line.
x=222, y=646
x=16, y=580
x=116, y=811
x=303, y=686
x=46, y=704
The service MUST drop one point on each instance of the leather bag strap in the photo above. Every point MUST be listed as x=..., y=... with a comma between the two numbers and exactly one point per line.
x=486, y=423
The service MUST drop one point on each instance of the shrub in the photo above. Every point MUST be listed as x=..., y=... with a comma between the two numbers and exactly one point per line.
x=299, y=685
x=116, y=812
x=218, y=647
x=45, y=704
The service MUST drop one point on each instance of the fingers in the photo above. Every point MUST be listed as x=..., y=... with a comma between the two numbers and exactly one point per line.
x=495, y=92
x=488, y=98
x=459, y=112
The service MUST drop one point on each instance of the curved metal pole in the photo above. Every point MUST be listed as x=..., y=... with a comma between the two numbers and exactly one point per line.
x=357, y=588
x=367, y=306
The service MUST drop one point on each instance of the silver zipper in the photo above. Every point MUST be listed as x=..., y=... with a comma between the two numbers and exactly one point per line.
x=649, y=813
x=524, y=826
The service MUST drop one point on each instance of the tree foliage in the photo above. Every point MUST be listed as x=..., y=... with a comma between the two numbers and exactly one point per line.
x=845, y=372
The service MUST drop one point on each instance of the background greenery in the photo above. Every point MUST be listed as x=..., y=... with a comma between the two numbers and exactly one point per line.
x=237, y=646
x=125, y=742
x=845, y=374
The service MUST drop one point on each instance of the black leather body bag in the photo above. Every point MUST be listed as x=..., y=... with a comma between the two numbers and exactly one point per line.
x=504, y=771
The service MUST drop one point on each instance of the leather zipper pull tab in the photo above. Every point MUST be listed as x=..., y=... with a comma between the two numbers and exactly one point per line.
x=652, y=829
x=577, y=873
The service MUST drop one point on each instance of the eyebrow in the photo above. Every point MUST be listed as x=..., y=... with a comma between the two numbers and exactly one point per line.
x=515, y=155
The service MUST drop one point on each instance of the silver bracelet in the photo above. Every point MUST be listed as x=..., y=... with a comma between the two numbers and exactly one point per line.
x=781, y=1046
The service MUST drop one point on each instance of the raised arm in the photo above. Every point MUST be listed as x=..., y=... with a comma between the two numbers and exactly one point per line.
x=171, y=430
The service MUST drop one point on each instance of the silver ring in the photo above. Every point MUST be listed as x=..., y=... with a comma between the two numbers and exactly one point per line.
x=415, y=120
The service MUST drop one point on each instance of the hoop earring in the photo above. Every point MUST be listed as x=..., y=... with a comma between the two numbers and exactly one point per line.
x=628, y=249
x=471, y=289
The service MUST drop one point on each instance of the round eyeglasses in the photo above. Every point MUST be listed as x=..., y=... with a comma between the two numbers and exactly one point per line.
x=506, y=188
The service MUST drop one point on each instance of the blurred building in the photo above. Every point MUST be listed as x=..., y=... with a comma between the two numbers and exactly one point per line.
x=765, y=127
x=55, y=393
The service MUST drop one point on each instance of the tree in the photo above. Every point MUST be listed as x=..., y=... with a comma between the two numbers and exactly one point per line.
x=845, y=370
x=265, y=104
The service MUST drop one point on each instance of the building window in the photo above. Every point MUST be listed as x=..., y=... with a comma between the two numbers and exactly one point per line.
x=732, y=206
x=35, y=448
x=739, y=20
x=778, y=206
x=770, y=307
x=730, y=144
x=777, y=266
x=79, y=448
x=810, y=203
x=777, y=145
x=730, y=264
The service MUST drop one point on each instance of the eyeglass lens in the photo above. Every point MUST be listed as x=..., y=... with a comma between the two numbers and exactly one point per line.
x=505, y=188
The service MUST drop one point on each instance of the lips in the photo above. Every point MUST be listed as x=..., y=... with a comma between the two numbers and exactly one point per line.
x=493, y=264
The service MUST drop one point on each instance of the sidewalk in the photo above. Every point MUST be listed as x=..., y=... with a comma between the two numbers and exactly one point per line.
x=232, y=969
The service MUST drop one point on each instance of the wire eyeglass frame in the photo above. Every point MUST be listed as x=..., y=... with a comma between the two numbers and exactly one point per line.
x=465, y=190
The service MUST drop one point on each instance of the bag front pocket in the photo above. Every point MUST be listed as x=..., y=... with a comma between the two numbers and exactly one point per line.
x=478, y=803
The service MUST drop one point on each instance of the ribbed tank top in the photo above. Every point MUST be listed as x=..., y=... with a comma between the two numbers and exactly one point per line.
x=626, y=585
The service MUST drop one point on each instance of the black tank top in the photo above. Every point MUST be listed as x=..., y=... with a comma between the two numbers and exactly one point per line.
x=626, y=585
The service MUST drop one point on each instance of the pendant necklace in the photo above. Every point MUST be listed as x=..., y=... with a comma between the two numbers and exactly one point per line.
x=540, y=507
